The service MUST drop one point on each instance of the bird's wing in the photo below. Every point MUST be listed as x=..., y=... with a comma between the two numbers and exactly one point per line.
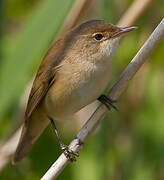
x=45, y=77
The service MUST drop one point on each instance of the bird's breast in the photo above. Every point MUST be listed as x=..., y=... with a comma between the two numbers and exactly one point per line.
x=75, y=87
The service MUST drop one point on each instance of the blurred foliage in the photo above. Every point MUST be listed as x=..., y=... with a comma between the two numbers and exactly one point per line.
x=128, y=145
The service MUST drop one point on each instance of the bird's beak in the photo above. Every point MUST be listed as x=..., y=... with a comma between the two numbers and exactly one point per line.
x=124, y=31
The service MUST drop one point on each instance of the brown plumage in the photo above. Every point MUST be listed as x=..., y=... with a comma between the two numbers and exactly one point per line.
x=74, y=73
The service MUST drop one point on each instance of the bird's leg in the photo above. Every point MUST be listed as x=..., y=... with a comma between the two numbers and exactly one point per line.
x=66, y=150
x=108, y=102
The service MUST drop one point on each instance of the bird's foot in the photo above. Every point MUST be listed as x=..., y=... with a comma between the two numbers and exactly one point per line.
x=108, y=102
x=71, y=155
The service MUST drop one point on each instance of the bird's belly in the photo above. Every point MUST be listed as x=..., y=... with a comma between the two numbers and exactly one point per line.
x=91, y=90
x=62, y=102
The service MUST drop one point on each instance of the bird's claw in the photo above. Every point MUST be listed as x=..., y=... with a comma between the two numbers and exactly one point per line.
x=71, y=155
x=108, y=102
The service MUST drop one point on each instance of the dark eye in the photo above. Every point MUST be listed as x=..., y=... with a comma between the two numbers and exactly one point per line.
x=98, y=36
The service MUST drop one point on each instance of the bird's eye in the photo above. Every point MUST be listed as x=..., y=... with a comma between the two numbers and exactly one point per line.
x=98, y=36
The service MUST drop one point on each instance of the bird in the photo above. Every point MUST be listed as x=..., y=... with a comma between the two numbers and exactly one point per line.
x=74, y=72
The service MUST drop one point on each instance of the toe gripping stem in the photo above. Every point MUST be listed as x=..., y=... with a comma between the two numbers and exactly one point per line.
x=108, y=102
x=71, y=155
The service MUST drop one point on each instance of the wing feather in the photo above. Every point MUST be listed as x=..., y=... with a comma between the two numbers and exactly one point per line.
x=45, y=77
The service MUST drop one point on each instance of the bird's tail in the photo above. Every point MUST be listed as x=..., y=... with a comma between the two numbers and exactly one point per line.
x=32, y=129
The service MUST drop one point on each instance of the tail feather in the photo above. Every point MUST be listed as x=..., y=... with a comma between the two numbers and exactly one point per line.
x=32, y=129
x=23, y=147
